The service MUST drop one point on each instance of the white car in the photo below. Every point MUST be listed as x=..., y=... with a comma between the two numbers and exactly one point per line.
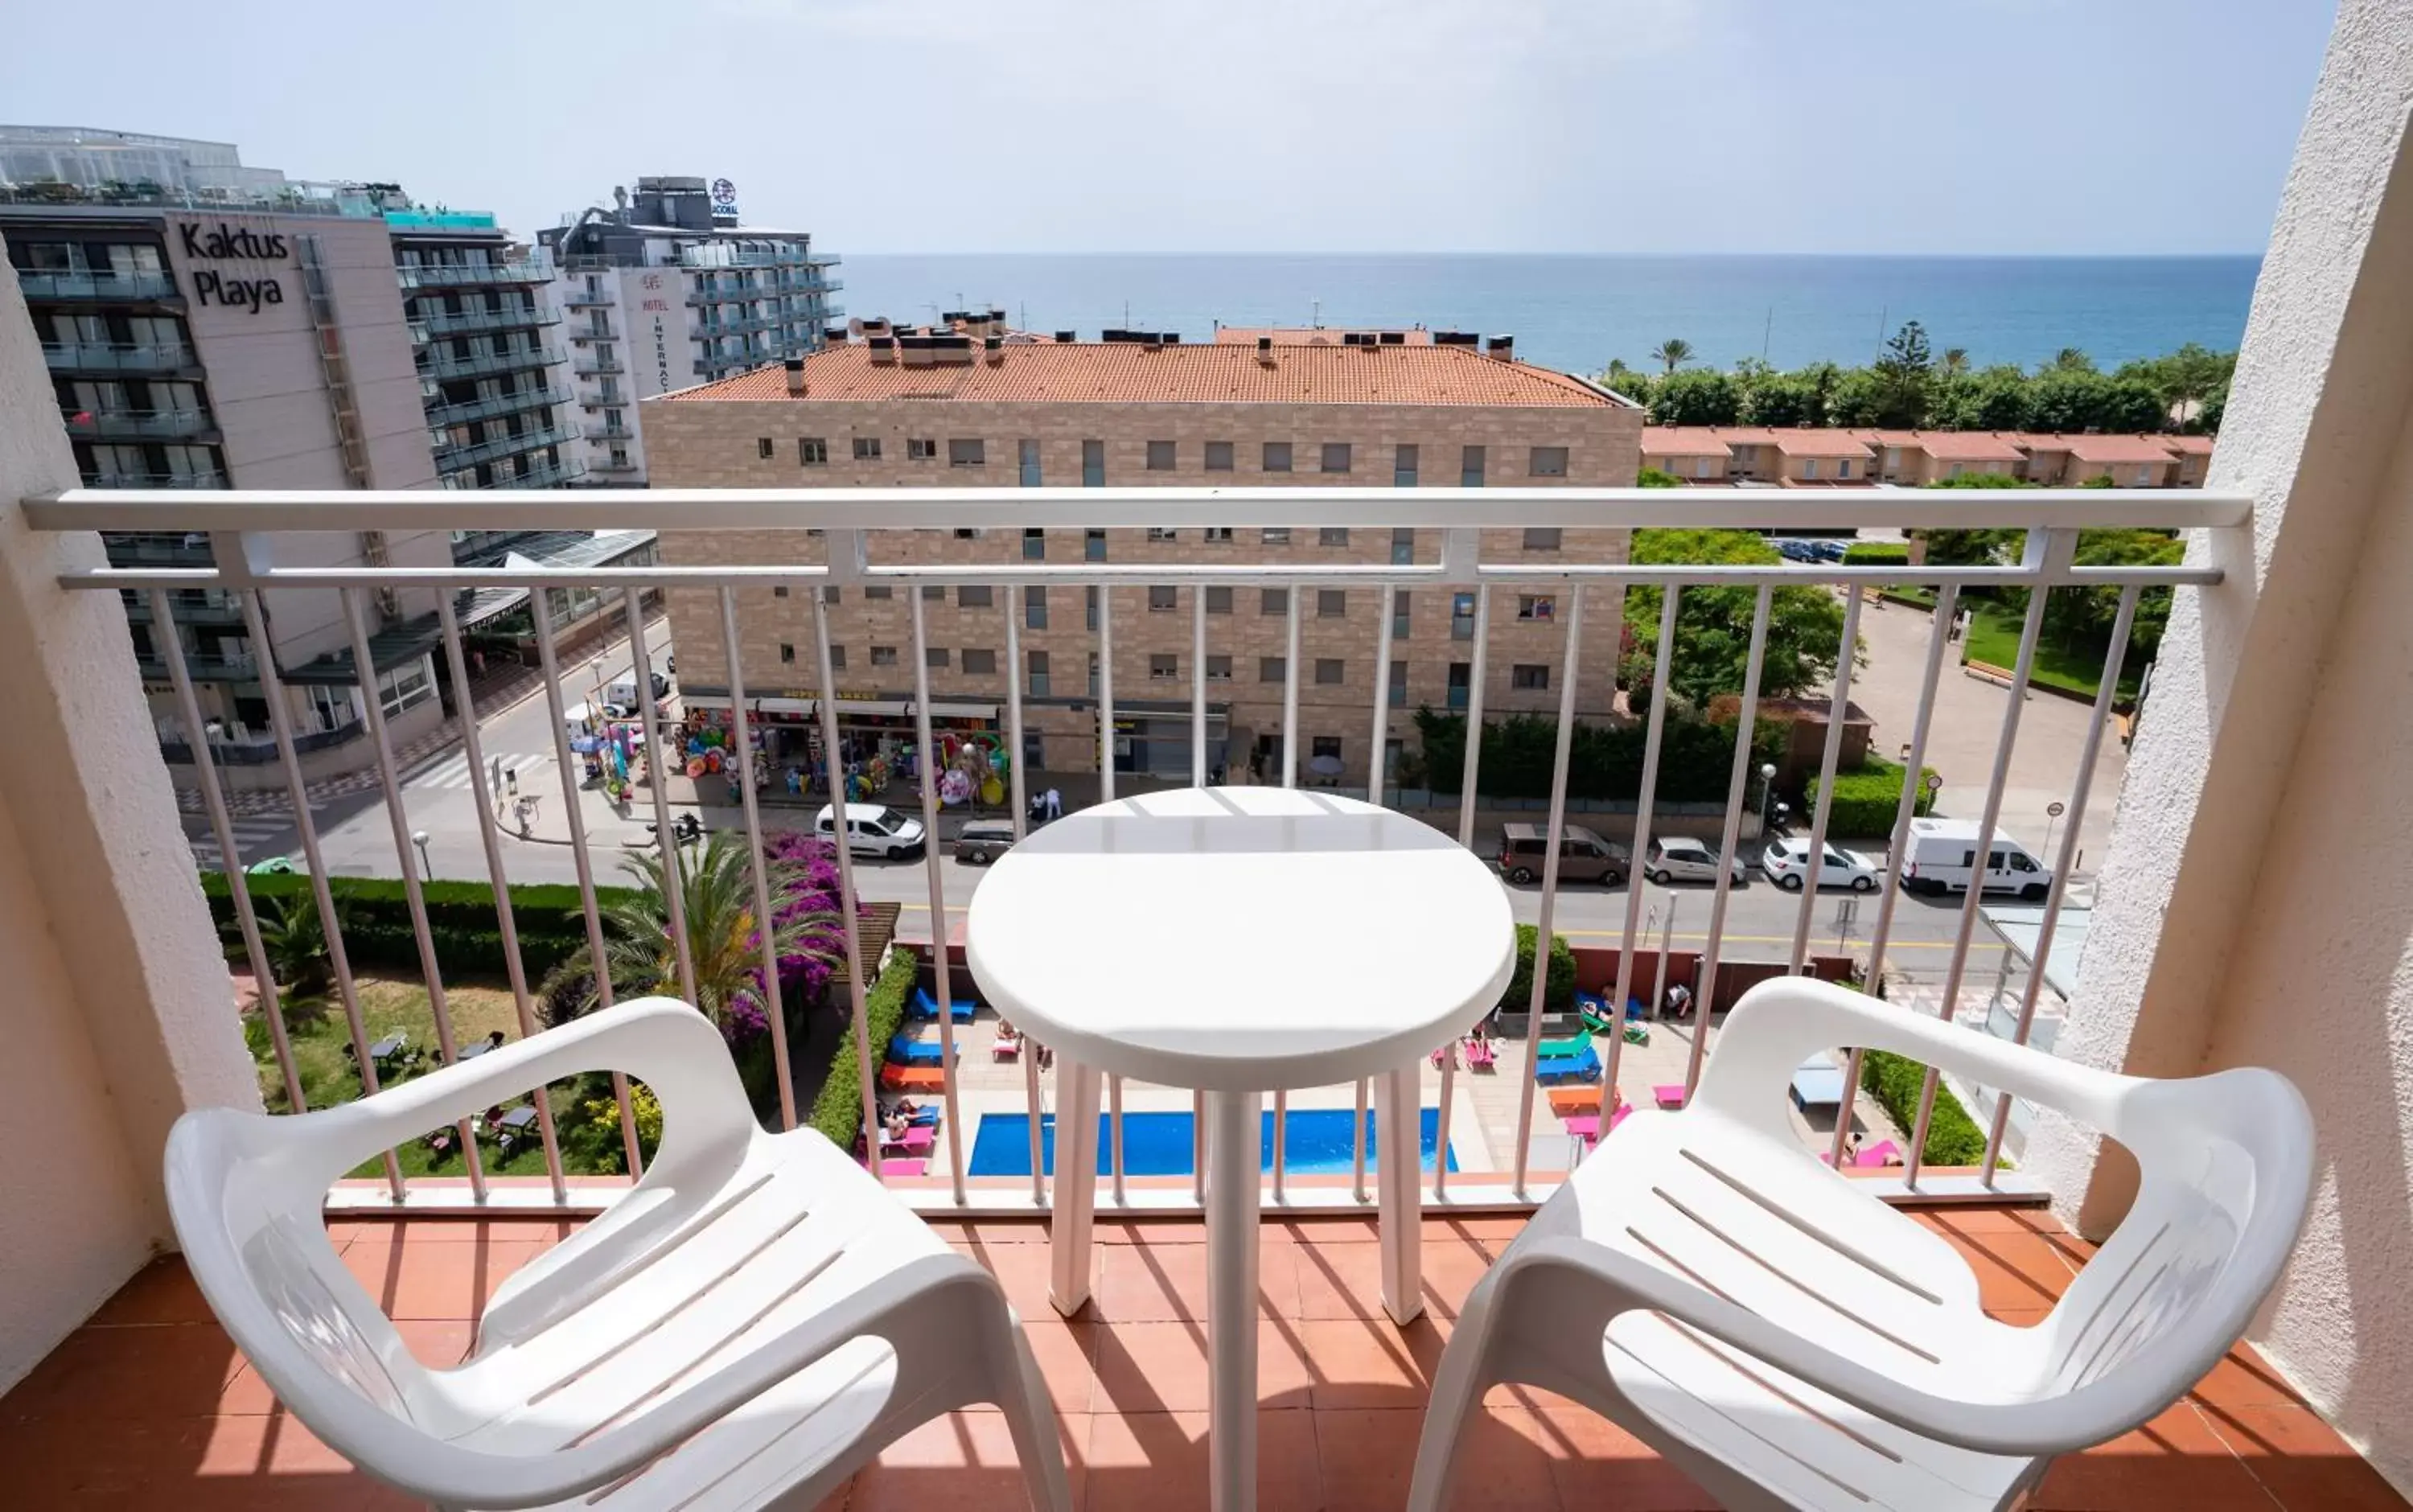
x=1787, y=863
x=1682, y=858
x=873, y=829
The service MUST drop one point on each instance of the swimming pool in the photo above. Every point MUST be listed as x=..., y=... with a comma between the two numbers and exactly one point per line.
x=1317, y=1140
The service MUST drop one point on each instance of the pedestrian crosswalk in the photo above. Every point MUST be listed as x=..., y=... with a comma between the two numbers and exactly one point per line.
x=257, y=838
x=453, y=771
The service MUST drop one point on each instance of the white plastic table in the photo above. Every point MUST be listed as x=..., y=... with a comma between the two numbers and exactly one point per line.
x=1239, y=941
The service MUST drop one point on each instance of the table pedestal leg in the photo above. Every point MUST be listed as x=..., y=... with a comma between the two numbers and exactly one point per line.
x=1398, y=1133
x=1233, y=1171
x=1075, y=1200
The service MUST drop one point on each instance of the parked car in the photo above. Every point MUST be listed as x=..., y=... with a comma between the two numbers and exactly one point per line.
x=1828, y=549
x=623, y=694
x=1682, y=858
x=1795, y=550
x=1941, y=856
x=872, y=829
x=1583, y=856
x=983, y=840
x=1787, y=863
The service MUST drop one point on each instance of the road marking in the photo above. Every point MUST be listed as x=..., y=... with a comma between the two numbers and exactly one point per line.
x=454, y=770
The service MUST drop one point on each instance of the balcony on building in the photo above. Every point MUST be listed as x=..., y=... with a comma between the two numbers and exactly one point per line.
x=495, y=448
x=533, y=397
x=608, y=431
x=579, y=297
x=118, y=357
x=141, y=424
x=594, y=328
x=586, y=366
x=99, y=286
x=437, y=362
x=466, y=275
x=429, y=324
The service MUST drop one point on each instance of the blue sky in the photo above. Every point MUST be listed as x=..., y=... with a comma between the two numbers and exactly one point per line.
x=1539, y=125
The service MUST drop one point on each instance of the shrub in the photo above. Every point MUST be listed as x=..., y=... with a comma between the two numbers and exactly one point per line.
x=837, y=1112
x=1877, y=554
x=373, y=913
x=1867, y=800
x=1605, y=760
x=1896, y=1081
x=1558, y=991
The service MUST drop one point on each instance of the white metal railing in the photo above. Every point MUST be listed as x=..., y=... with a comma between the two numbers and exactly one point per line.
x=861, y=526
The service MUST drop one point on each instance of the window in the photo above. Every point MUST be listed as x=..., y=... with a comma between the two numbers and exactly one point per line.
x=921, y=450
x=1328, y=671
x=974, y=596
x=1892, y=457
x=1546, y=462
x=1810, y=469
x=1321, y=746
x=837, y=659
x=1219, y=669
x=1469, y=467
x=1093, y=545
x=1216, y=535
x=867, y=449
x=979, y=663
x=1026, y=453
x=884, y=656
x=1336, y=456
x=934, y=592
x=1037, y=663
x=1034, y=545
x=2145, y=476
x=787, y=654
x=1093, y=468
x=763, y=448
x=1163, y=598
x=1219, y=600
x=1403, y=546
x=1956, y=470
x=1034, y=608
x=1331, y=603
x=1160, y=456
x=1093, y=675
x=811, y=452
x=1535, y=606
x=1162, y=667
x=1275, y=534
x=779, y=591
x=1218, y=456
x=1541, y=539
x=1461, y=617
x=1703, y=469
x=934, y=657
x=973, y=454
x=1403, y=467
x=1399, y=691
x=1277, y=456
x=1272, y=669
x=1160, y=533
x=1273, y=602
x=1332, y=536
x=1399, y=616
x=1090, y=607
x=1844, y=467
x=880, y=590
x=1461, y=676
x=1530, y=675
x=405, y=687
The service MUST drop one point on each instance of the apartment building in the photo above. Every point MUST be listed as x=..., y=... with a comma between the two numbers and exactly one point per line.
x=946, y=408
x=491, y=377
x=1827, y=457
x=670, y=287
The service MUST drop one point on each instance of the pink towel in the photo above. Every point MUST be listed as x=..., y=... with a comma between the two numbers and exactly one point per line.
x=1669, y=1094
x=904, y=1167
x=1585, y=1127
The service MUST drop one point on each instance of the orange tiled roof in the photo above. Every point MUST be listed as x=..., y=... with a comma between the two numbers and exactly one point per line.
x=2196, y=446
x=1683, y=441
x=2118, y=448
x=1819, y=443
x=1967, y=446
x=1320, y=336
x=1093, y=372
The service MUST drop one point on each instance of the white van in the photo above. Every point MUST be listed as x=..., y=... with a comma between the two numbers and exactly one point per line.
x=872, y=829
x=1941, y=856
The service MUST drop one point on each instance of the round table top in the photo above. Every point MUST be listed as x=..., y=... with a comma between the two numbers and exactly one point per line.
x=1241, y=939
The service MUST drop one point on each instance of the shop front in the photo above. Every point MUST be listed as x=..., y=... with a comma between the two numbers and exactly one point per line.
x=1152, y=739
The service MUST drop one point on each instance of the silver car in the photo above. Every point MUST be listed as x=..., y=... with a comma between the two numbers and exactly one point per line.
x=1682, y=858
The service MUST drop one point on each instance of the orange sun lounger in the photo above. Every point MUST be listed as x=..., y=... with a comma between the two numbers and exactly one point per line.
x=1568, y=1102
x=913, y=1078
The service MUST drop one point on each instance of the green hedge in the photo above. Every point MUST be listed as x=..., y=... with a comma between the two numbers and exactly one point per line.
x=1877, y=554
x=1558, y=991
x=1896, y=1081
x=461, y=920
x=839, y=1111
x=1867, y=799
x=1605, y=760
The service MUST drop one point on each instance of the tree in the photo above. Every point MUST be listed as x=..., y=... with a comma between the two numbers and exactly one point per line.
x=1712, y=643
x=1956, y=360
x=2083, y=616
x=1902, y=375
x=295, y=942
x=1973, y=548
x=2183, y=379
x=1781, y=399
x=1860, y=398
x=1632, y=382
x=2069, y=360
x=1675, y=353
x=1657, y=478
x=1695, y=396
x=2067, y=399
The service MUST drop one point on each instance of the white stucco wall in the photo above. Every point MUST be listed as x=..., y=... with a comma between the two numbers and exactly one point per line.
x=2256, y=905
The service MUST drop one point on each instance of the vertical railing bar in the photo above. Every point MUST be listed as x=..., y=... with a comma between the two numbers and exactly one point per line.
x=1358, y=1147
x=505, y=916
x=1533, y=1005
x=857, y=968
x=230, y=856
x=1018, y=794
x=1377, y=751
x=1669, y=598
x=549, y=659
x=2081, y=788
x=1115, y=1129
x=1948, y=598
x=1289, y=724
x=414, y=898
x=1704, y=983
x=1837, y=710
x=1198, y=686
x=280, y=722
x=941, y=966
x=1198, y=1148
x=665, y=840
x=1106, y=795
x=1470, y=769
x=1991, y=814
x=741, y=744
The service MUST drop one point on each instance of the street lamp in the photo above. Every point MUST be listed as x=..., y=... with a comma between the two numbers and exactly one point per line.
x=426, y=868
x=2052, y=812
x=1767, y=792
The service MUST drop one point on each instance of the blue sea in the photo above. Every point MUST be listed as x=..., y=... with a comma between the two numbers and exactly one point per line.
x=1576, y=312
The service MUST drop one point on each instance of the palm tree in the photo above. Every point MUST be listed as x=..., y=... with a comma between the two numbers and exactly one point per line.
x=1675, y=351
x=293, y=939
x=717, y=898
x=1956, y=360
x=2071, y=360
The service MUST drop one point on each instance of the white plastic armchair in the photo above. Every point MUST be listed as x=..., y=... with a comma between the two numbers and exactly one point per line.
x=753, y=1322
x=1788, y=1340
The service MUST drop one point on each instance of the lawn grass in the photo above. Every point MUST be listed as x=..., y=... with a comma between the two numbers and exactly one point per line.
x=1994, y=639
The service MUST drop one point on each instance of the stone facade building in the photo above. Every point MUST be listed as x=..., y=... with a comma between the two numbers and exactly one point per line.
x=983, y=409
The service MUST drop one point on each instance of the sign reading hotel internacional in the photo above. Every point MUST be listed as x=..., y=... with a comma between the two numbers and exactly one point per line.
x=229, y=243
x=724, y=198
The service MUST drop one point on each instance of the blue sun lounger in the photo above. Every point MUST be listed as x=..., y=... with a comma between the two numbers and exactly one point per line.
x=906, y=1051
x=1584, y=1067
x=927, y=1006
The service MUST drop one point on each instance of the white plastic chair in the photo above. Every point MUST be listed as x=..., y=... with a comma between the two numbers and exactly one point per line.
x=750, y=1323
x=1790, y=1341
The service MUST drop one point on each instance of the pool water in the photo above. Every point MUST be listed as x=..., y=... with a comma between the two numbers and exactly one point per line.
x=1159, y=1143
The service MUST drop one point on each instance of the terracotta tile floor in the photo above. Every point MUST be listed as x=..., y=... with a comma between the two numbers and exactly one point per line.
x=149, y=1405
